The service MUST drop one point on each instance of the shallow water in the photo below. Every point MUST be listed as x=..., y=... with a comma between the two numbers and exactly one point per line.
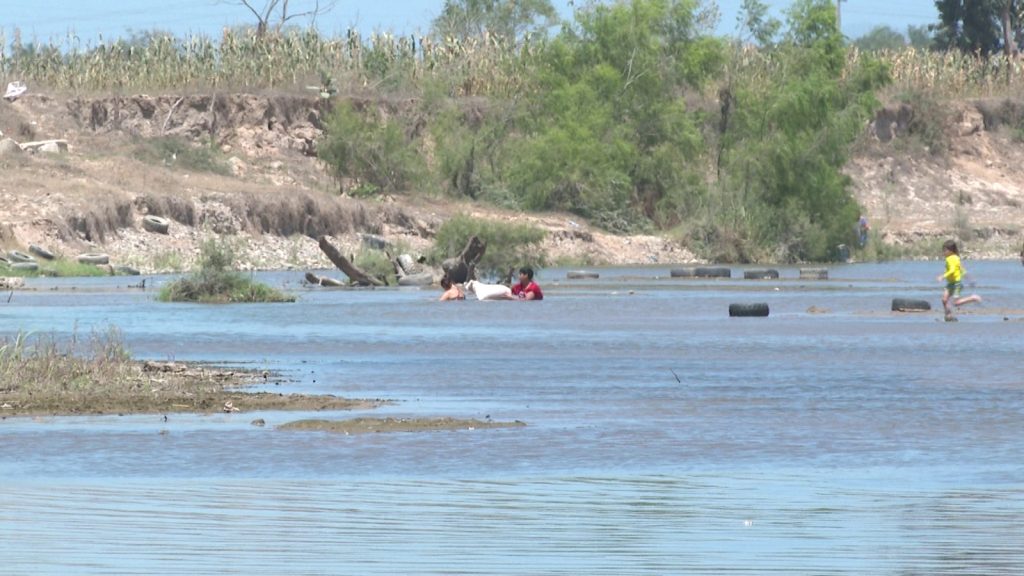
x=855, y=441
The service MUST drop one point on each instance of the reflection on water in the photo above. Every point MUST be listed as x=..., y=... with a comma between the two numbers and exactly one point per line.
x=851, y=442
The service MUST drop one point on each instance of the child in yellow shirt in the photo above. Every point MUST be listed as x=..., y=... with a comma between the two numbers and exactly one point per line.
x=954, y=281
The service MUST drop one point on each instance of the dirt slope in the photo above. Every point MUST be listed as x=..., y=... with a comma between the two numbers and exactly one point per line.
x=969, y=185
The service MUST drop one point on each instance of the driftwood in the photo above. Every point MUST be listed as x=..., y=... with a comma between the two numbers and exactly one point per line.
x=462, y=268
x=355, y=274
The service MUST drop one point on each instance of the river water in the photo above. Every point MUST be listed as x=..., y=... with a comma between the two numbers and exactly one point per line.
x=662, y=437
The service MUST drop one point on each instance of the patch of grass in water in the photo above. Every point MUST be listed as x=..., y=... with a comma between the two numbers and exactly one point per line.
x=216, y=283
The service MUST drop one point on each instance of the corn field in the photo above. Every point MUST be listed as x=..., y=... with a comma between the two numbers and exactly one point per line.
x=240, y=60
x=952, y=75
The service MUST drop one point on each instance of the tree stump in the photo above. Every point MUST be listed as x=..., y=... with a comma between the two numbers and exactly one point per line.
x=462, y=268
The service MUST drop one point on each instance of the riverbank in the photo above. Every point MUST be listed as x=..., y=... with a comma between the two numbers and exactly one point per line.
x=262, y=187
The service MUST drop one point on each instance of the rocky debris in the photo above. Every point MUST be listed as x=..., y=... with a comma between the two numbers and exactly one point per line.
x=47, y=146
x=9, y=147
x=11, y=282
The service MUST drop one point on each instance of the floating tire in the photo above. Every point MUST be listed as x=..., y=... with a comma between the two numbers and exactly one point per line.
x=96, y=259
x=910, y=305
x=582, y=275
x=25, y=266
x=814, y=273
x=15, y=256
x=769, y=274
x=124, y=271
x=41, y=252
x=758, y=309
x=156, y=224
x=421, y=279
x=712, y=272
x=683, y=272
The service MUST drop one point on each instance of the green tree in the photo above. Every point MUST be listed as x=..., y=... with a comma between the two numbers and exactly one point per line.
x=788, y=136
x=978, y=26
x=754, y=19
x=502, y=18
x=881, y=38
x=375, y=153
x=609, y=135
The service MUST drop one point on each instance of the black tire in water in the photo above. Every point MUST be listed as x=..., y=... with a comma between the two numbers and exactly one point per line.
x=125, y=271
x=582, y=275
x=742, y=310
x=683, y=272
x=769, y=274
x=712, y=272
x=910, y=305
x=814, y=273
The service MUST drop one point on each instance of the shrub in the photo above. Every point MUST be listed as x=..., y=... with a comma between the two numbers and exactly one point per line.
x=216, y=282
x=509, y=245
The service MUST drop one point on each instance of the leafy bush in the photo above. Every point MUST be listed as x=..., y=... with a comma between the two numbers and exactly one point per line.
x=508, y=245
x=216, y=282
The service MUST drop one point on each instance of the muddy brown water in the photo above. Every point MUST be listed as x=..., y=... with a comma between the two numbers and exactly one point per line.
x=663, y=437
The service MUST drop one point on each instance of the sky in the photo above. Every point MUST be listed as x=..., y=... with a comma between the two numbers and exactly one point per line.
x=43, y=20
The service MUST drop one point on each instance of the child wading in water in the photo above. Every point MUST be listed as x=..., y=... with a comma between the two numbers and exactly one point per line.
x=953, y=277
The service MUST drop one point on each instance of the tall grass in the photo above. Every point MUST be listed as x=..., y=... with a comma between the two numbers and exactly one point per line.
x=43, y=368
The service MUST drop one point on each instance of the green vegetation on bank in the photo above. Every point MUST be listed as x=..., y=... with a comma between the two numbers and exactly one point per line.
x=216, y=282
x=633, y=115
x=59, y=267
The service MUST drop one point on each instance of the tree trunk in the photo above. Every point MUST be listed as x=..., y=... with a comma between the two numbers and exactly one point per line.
x=1008, y=47
x=462, y=268
x=356, y=275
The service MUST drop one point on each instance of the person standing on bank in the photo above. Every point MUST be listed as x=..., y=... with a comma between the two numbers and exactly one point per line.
x=526, y=289
x=862, y=230
x=953, y=278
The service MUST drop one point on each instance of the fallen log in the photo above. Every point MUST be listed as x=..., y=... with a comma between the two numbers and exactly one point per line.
x=356, y=275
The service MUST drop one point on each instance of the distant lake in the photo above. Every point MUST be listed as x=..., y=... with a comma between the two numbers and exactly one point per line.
x=663, y=437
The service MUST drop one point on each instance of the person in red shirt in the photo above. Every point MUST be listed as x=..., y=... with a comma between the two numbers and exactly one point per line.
x=527, y=289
